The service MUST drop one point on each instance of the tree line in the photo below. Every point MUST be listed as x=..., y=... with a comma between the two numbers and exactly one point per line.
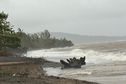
x=42, y=40
x=10, y=38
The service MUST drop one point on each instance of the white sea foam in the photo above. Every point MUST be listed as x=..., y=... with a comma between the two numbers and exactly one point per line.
x=53, y=71
x=96, y=72
x=66, y=72
x=92, y=56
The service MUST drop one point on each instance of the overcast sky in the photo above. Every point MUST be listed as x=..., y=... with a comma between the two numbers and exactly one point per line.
x=85, y=17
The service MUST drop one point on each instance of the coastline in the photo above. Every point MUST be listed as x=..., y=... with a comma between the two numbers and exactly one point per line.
x=107, y=73
x=30, y=72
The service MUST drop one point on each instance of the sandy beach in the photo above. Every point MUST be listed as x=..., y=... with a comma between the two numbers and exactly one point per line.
x=22, y=70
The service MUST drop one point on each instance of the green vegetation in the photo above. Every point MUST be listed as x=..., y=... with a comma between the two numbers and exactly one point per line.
x=41, y=40
x=8, y=37
x=11, y=39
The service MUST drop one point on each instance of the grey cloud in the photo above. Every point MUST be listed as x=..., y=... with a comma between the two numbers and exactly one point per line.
x=97, y=17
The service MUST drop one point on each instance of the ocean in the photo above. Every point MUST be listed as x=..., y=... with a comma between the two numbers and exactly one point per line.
x=105, y=62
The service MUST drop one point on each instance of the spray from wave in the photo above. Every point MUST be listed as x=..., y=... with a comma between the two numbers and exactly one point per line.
x=92, y=56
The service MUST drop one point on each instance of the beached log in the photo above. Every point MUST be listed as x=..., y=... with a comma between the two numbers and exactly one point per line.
x=73, y=62
x=65, y=64
x=82, y=60
x=68, y=60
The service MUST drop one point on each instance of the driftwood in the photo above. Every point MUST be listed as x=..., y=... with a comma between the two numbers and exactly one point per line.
x=73, y=62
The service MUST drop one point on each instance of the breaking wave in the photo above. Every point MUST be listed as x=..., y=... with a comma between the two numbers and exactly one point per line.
x=92, y=56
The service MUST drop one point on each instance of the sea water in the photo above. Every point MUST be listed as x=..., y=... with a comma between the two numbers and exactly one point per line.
x=100, y=65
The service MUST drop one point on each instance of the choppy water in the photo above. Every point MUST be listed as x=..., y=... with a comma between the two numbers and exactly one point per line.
x=100, y=66
x=92, y=56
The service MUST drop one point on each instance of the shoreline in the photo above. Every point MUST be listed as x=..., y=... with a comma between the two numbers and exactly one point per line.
x=109, y=73
x=31, y=72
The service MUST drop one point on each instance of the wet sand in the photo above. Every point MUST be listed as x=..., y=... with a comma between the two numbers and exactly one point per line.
x=110, y=73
